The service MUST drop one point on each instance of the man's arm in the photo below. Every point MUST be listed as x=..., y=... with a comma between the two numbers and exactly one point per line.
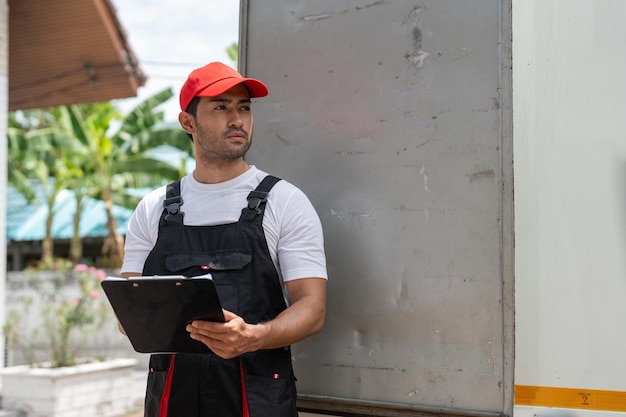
x=303, y=318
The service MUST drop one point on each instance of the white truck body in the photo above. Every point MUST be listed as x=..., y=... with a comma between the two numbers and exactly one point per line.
x=569, y=102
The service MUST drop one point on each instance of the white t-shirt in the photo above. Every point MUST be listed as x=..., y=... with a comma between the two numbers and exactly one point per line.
x=292, y=227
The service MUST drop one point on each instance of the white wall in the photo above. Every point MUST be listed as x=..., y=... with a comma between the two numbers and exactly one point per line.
x=570, y=192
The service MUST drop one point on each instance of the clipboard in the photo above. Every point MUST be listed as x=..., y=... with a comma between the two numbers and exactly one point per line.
x=154, y=311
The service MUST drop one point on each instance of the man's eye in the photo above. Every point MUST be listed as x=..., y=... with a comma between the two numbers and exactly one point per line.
x=221, y=107
x=245, y=108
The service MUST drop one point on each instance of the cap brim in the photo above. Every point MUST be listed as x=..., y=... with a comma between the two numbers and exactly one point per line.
x=255, y=87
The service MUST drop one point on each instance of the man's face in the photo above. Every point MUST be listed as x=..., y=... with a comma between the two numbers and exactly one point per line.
x=223, y=126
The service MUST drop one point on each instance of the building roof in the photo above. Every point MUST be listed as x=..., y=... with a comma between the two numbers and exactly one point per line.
x=26, y=222
x=66, y=52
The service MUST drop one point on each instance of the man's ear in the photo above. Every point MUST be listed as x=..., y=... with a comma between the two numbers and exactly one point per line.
x=187, y=122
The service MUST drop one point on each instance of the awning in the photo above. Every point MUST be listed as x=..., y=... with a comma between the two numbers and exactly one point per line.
x=65, y=52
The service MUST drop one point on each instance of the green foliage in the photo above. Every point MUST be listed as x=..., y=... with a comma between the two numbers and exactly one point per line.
x=51, y=264
x=233, y=52
x=13, y=330
x=95, y=151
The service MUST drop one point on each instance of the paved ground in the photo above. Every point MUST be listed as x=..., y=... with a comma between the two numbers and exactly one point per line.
x=138, y=412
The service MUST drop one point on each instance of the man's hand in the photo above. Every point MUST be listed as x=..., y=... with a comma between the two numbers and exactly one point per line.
x=229, y=339
x=303, y=318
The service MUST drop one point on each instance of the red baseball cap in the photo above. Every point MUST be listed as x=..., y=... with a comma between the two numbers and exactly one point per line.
x=214, y=79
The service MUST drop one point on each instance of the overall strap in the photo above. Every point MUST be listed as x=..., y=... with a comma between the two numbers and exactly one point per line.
x=257, y=199
x=171, y=206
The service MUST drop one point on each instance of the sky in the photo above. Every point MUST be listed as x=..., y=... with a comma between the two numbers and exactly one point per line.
x=170, y=39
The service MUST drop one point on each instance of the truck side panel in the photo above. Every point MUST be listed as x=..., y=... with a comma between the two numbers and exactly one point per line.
x=395, y=118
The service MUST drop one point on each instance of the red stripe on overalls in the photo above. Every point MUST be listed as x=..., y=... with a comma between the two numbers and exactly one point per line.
x=165, y=398
x=244, y=398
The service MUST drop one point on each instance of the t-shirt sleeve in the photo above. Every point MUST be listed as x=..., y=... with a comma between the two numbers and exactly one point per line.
x=300, y=247
x=140, y=238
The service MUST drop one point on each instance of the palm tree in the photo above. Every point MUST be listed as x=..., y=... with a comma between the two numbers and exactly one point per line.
x=19, y=157
x=118, y=161
x=34, y=153
x=71, y=147
x=74, y=157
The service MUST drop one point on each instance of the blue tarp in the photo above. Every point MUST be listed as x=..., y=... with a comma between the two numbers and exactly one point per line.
x=28, y=221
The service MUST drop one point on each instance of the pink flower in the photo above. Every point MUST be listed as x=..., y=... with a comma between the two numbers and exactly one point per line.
x=72, y=301
x=94, y=294
x=80, y=267
x=101, y=275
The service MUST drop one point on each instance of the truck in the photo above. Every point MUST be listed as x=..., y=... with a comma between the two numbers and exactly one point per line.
x=467, y=161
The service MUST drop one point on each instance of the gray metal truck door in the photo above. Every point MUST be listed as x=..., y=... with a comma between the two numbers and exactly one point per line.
x=395, y=118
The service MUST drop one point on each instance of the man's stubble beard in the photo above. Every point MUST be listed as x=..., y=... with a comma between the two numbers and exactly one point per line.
x=211, y=156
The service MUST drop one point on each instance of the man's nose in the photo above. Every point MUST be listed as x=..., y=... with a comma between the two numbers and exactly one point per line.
x=235, y=120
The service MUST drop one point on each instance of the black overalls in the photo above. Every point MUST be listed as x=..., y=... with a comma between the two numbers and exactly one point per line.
x=237, y=256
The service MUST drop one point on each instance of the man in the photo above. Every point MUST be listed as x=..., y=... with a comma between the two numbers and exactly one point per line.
x=261, y=240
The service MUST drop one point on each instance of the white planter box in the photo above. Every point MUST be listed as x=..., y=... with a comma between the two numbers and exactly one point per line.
x=91, y=389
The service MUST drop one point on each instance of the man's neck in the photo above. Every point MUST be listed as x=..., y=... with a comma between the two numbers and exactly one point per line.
x=215, y=174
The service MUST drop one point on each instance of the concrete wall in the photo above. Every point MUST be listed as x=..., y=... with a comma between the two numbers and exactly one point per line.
x=106, y=342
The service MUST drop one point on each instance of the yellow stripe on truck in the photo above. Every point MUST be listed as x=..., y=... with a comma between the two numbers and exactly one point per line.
x=581, y=398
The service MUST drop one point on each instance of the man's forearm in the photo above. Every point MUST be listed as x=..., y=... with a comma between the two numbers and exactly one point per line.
x=304, y=318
